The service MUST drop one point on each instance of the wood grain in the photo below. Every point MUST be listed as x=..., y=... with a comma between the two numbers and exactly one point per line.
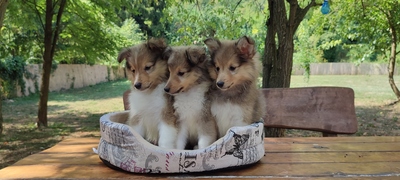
x=285, y=158
x=324, y=109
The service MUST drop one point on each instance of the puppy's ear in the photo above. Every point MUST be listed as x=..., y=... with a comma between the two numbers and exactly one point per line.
x=195, y=55
x=156, y=45
x=124, y=54
x=245, y=47
x=167, y=53
x=212, y=44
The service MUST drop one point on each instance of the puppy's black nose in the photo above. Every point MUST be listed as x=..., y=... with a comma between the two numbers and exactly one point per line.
x=166, y=89
x=220, y=84
x=138, y=85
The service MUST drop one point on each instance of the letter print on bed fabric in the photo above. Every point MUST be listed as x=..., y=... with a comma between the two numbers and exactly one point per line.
x=209, y=153
x=187, y=161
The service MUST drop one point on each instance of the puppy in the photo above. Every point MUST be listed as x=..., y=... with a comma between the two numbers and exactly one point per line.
x=189, y=83
x=151, y=113
x=235, y=67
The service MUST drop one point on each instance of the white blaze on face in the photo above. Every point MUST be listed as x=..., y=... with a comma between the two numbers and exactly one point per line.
x=136, y=69
x=136, y=77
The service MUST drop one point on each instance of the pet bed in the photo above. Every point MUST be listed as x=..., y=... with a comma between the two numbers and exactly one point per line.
x=120, y=147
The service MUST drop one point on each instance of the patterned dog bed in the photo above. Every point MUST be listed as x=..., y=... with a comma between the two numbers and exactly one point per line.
x=120, y=147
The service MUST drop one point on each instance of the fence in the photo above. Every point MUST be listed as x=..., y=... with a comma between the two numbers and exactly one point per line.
x=80, y=75
x=344, y=69
x=68, y=76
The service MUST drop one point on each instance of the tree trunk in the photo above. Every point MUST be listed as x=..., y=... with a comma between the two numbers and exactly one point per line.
x=278, y=57
x=392, y=59
x=50, y=41
x=3, y=8
x=1, y=111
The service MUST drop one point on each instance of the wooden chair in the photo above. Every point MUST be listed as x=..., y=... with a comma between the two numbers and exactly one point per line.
x=329, y=110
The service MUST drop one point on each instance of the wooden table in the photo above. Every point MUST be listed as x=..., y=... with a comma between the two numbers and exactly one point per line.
x=285, y=158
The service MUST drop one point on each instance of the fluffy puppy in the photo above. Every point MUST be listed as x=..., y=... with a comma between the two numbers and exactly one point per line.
x=235, y=67
x=150, y=108
x=189, y=83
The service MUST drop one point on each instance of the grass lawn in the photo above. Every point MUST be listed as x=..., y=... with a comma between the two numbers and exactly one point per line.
x=372, y=98
x=76, y=113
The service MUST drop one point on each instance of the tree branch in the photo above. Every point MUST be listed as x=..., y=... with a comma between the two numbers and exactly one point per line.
x=55, y=4
x=300, y=13
x=198, y=7
x=237, y=4
x=294, y=7
x=35, y=8
x=58, y=26
x=3, y=8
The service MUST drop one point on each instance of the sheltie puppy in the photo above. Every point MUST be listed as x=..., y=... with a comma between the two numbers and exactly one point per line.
x=151, y=113
x=235, y=67
x=189, y=83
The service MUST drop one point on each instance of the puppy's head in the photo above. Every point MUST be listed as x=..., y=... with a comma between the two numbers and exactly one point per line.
x=187, y=68
x=145, y=65
x=234, y=64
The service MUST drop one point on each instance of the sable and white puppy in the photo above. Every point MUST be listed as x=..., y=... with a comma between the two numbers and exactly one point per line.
x=235, y=67
x=151, y=113
x=189, y=83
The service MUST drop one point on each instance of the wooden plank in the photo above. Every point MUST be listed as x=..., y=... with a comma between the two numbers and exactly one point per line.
x=319, y=170
x=335, y=157
x=332, y=147
x=362, y=160
x=345, y=139
x=75, y=145
x=376, y=169
x=65, y=158
x=324, y=109
x=58, y=171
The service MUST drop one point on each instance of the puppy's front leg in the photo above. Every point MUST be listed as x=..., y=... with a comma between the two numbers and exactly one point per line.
x=135, y=123
x=205, y=141
x=168, y=135
x=182, y=138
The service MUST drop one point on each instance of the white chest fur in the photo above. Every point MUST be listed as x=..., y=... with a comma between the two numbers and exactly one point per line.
x=148, y=106
x=189, y=106
x=227, y=115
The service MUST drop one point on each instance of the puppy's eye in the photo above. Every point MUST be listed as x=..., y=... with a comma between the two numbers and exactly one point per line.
x=217, y=69
x=133, y=71
x=231, y=68
x=181, y=73
x=148, y=68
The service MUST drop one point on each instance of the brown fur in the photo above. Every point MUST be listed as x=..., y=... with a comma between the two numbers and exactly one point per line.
x=145, y=64
x=188, y=69
x=147, y=69
x=235, y=63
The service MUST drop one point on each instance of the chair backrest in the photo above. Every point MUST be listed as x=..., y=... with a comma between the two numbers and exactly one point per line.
x=329, y=110
x=125, y=99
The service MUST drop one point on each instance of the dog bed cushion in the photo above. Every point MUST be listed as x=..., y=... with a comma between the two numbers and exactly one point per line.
x=120, y=147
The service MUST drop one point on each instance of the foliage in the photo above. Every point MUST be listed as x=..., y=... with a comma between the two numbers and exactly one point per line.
x=333, y=37
x=148, y=15
x=90, y=33
x=11, y=73
x=192, y=23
